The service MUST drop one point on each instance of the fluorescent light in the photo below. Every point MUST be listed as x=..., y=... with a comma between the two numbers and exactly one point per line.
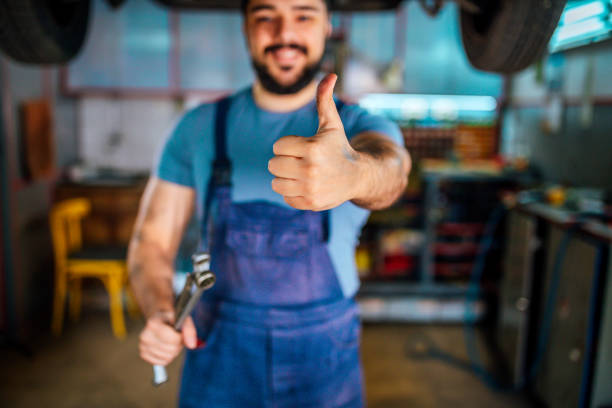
x=592, y=26
x=583, y=23
x=583, y=11
x=444, y=109
x=396, y=101
x=415, y=108
x=438, y=107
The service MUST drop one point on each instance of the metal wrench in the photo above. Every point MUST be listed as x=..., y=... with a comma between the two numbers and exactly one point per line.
x=203, y=279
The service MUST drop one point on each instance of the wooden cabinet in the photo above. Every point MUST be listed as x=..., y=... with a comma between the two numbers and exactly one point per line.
x=114, y=209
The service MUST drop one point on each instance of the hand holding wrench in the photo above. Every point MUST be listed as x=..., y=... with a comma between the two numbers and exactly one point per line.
x=203, y=279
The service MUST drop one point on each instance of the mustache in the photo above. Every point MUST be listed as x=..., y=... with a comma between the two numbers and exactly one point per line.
x=275, y=47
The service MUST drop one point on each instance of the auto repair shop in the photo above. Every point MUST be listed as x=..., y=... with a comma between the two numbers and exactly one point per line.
x=484, y=280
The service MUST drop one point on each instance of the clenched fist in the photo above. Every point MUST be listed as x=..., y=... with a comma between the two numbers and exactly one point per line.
x=160, y=343
x=319, y=172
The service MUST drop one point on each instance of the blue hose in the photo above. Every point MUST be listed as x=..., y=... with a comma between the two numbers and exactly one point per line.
x=592, y=326
x=472, y=296
x=473, y=292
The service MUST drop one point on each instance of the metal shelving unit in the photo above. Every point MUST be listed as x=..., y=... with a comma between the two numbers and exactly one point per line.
x=429, y=298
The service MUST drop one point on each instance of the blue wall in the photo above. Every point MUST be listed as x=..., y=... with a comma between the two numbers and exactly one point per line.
x=579, y=153
x=131, y=48
x=434, y=60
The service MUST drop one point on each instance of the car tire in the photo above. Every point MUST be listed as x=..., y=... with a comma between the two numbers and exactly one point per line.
x=42, y=31
x=509, y=35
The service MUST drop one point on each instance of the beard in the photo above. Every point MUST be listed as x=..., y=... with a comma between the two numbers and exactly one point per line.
x=270, y=84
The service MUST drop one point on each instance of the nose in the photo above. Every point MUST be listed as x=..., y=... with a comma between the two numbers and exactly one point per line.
x=285, y=30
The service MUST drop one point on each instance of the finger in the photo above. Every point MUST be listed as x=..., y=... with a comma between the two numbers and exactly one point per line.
x=153, y=343
x=190, y=335
x=290, y=146
x=299, y=203
x=158, y=353
x=285, y=166
x=326, y=107
x=155, y=360
x=287, y=187
x=302, y=203
x=163, y=332
x=149, y=341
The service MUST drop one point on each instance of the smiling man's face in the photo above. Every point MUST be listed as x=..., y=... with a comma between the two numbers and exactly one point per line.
x=286, y=39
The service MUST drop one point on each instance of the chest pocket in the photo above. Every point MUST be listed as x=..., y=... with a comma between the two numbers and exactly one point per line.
x=275, y=255
x=267, y=240
x=261, y=234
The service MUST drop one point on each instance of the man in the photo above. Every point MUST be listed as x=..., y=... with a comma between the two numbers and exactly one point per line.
x=280, y=327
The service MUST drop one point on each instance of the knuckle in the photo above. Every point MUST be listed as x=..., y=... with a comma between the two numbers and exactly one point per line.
x=145, y=336
x=314, y=172
x=311, y=171
x=309, y=202
x=313, y=148
x=310, y=189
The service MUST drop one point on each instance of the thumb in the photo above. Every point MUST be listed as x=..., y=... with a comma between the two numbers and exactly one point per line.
x=326, y=107
x=190, y=336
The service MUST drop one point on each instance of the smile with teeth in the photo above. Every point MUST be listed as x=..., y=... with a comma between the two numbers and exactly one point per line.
x=286, y=54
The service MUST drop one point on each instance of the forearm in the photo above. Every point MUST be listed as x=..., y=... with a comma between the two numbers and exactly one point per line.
x=383, y=171
x=164, y=212
x=150, y=273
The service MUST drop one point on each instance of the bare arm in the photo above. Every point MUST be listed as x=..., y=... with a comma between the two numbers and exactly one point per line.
x=164, y=212
x=384, y=169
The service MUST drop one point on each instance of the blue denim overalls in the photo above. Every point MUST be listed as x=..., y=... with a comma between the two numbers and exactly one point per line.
x=278, y=330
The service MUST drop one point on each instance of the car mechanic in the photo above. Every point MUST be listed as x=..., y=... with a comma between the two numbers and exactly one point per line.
x=284, y=175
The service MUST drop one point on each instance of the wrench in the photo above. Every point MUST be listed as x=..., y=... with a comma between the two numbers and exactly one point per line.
x=203, y=279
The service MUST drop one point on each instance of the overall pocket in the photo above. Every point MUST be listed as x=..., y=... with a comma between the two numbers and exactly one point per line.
x=268, y=255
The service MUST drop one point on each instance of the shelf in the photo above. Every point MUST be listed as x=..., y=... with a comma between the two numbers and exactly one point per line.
x=399, y=288
x=451, y=270
x=420, y=310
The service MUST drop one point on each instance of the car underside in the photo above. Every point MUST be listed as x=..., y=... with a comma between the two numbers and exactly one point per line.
x=501, y=36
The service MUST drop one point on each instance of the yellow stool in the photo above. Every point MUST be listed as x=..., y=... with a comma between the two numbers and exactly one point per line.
x=74, y=262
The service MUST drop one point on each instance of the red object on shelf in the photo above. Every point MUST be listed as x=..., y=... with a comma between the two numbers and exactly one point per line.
x=460, y=228
x=397, y=265
x=455, y=248
x=453, y=269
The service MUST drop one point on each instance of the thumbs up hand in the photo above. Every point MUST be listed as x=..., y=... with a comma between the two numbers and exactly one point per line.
x=319, y=172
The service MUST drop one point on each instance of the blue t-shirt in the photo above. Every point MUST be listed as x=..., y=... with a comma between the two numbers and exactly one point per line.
x=188, y=152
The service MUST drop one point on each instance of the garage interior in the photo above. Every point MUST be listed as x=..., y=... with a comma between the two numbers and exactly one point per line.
x=488, y=283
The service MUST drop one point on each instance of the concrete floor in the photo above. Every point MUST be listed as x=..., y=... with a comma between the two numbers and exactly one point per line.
x=88, y=367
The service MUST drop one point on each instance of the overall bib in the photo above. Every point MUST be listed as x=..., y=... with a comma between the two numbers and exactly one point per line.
x=278, y=330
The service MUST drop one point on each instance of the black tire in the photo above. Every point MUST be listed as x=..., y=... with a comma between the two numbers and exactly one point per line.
x=509, y=35
x=337, y=5
x=43, y=31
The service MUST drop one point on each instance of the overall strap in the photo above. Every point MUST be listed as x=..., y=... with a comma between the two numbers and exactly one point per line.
x=326, y=214
x=221, y=169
